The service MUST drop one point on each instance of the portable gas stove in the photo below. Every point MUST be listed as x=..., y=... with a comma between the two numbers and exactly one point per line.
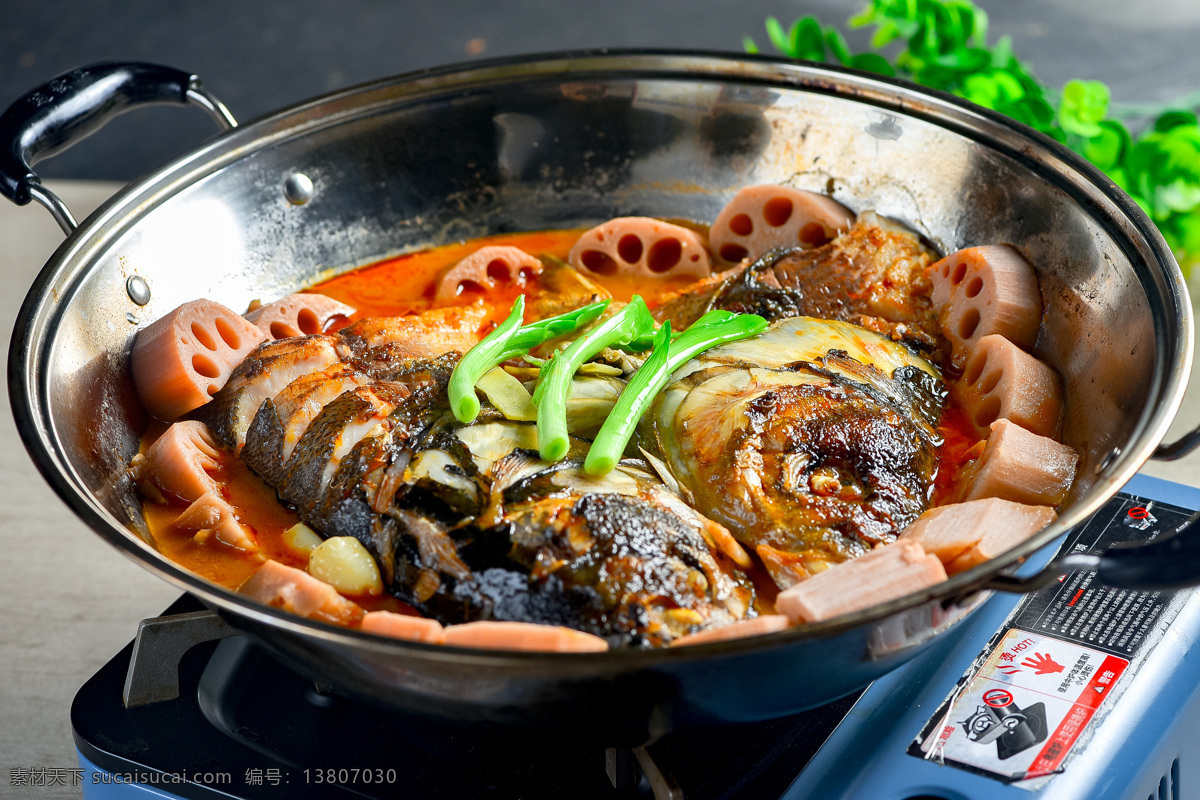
x=1075, y=691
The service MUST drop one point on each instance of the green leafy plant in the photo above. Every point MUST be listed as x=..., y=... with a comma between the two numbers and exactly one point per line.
x=943, y=44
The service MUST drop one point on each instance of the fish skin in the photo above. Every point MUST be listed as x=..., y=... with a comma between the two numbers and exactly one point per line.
x=563, y=289
x=879, y=465
x=426, y=574
x=263, y=450
x=473, y=568
x=304, y=484
x=842, y=428
x=504, y=575
x=808, y=462
x=507, y=595
x=299, y=403
x=352, y=504
x=280, y=362
x=265, y=442
x=916, y=393
x=344, y=508
x=637, y=556
x=422, y=336
x=872, y=274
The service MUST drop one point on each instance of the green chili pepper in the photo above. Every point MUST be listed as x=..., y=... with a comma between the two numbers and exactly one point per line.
x=554, y=384
x=638, y=393
x=714, y=328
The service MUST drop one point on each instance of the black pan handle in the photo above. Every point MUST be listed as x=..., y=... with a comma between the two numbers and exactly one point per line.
x=1171, y=562
x=75, y=105
x=1178, y=448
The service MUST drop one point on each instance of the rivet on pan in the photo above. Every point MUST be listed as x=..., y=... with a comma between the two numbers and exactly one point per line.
x=885, y=128
x=298, y=188
x=1108, y=459
x=138, y=289
x=130, y=318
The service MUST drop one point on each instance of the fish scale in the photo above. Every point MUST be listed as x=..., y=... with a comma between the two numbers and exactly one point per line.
x=262, y=375
x=306, y=472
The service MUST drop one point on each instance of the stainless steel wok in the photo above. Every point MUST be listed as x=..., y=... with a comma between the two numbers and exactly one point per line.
x=569, y=140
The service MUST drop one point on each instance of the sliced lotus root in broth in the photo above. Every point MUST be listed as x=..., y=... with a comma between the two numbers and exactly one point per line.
x=1020, y=466
x=641, y=247
x=758, y=626
x=211, y=518
x=762, y=218
x=403, y=626
x=982, y=291
x=964, y=535
x=299, y=314
x=486, y=268
x=180, y=361
x=294, y=590
x=506, y=635
x=885, y=573
x=1002, y=381
x=180, y=461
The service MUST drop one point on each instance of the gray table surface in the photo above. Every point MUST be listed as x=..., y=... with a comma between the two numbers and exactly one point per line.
x=70, y=601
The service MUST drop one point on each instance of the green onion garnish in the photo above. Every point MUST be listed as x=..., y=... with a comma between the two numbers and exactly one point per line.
x=644, y=342
x=714, y=328
x=554, y=385
x=713, y=317
x=509, y=340
x=642, y=387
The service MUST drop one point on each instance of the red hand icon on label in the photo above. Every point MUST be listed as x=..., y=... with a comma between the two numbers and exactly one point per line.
x=1042, y=664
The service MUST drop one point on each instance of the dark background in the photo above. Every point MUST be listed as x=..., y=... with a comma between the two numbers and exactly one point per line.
x=258, y=56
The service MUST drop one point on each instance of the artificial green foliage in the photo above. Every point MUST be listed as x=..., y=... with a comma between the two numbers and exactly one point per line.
x=943, y=44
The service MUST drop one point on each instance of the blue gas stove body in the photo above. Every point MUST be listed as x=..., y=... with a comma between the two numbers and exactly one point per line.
x=1147, y=745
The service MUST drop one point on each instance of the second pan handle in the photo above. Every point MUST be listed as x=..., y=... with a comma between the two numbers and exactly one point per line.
x=1169, y=562
x=76, y=104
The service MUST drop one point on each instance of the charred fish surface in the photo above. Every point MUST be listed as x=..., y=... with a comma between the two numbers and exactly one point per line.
x=611, y=556
x=466, y=522
x=624, y=567
x=873, y=274
x=812, y=442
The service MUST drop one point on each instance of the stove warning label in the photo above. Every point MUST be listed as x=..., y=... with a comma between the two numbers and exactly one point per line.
x=1025, y=707
x=1081, y=609
x=1057, y=664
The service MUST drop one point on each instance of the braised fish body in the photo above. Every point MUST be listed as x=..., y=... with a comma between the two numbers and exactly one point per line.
x=465, y=521
x=811, y=443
